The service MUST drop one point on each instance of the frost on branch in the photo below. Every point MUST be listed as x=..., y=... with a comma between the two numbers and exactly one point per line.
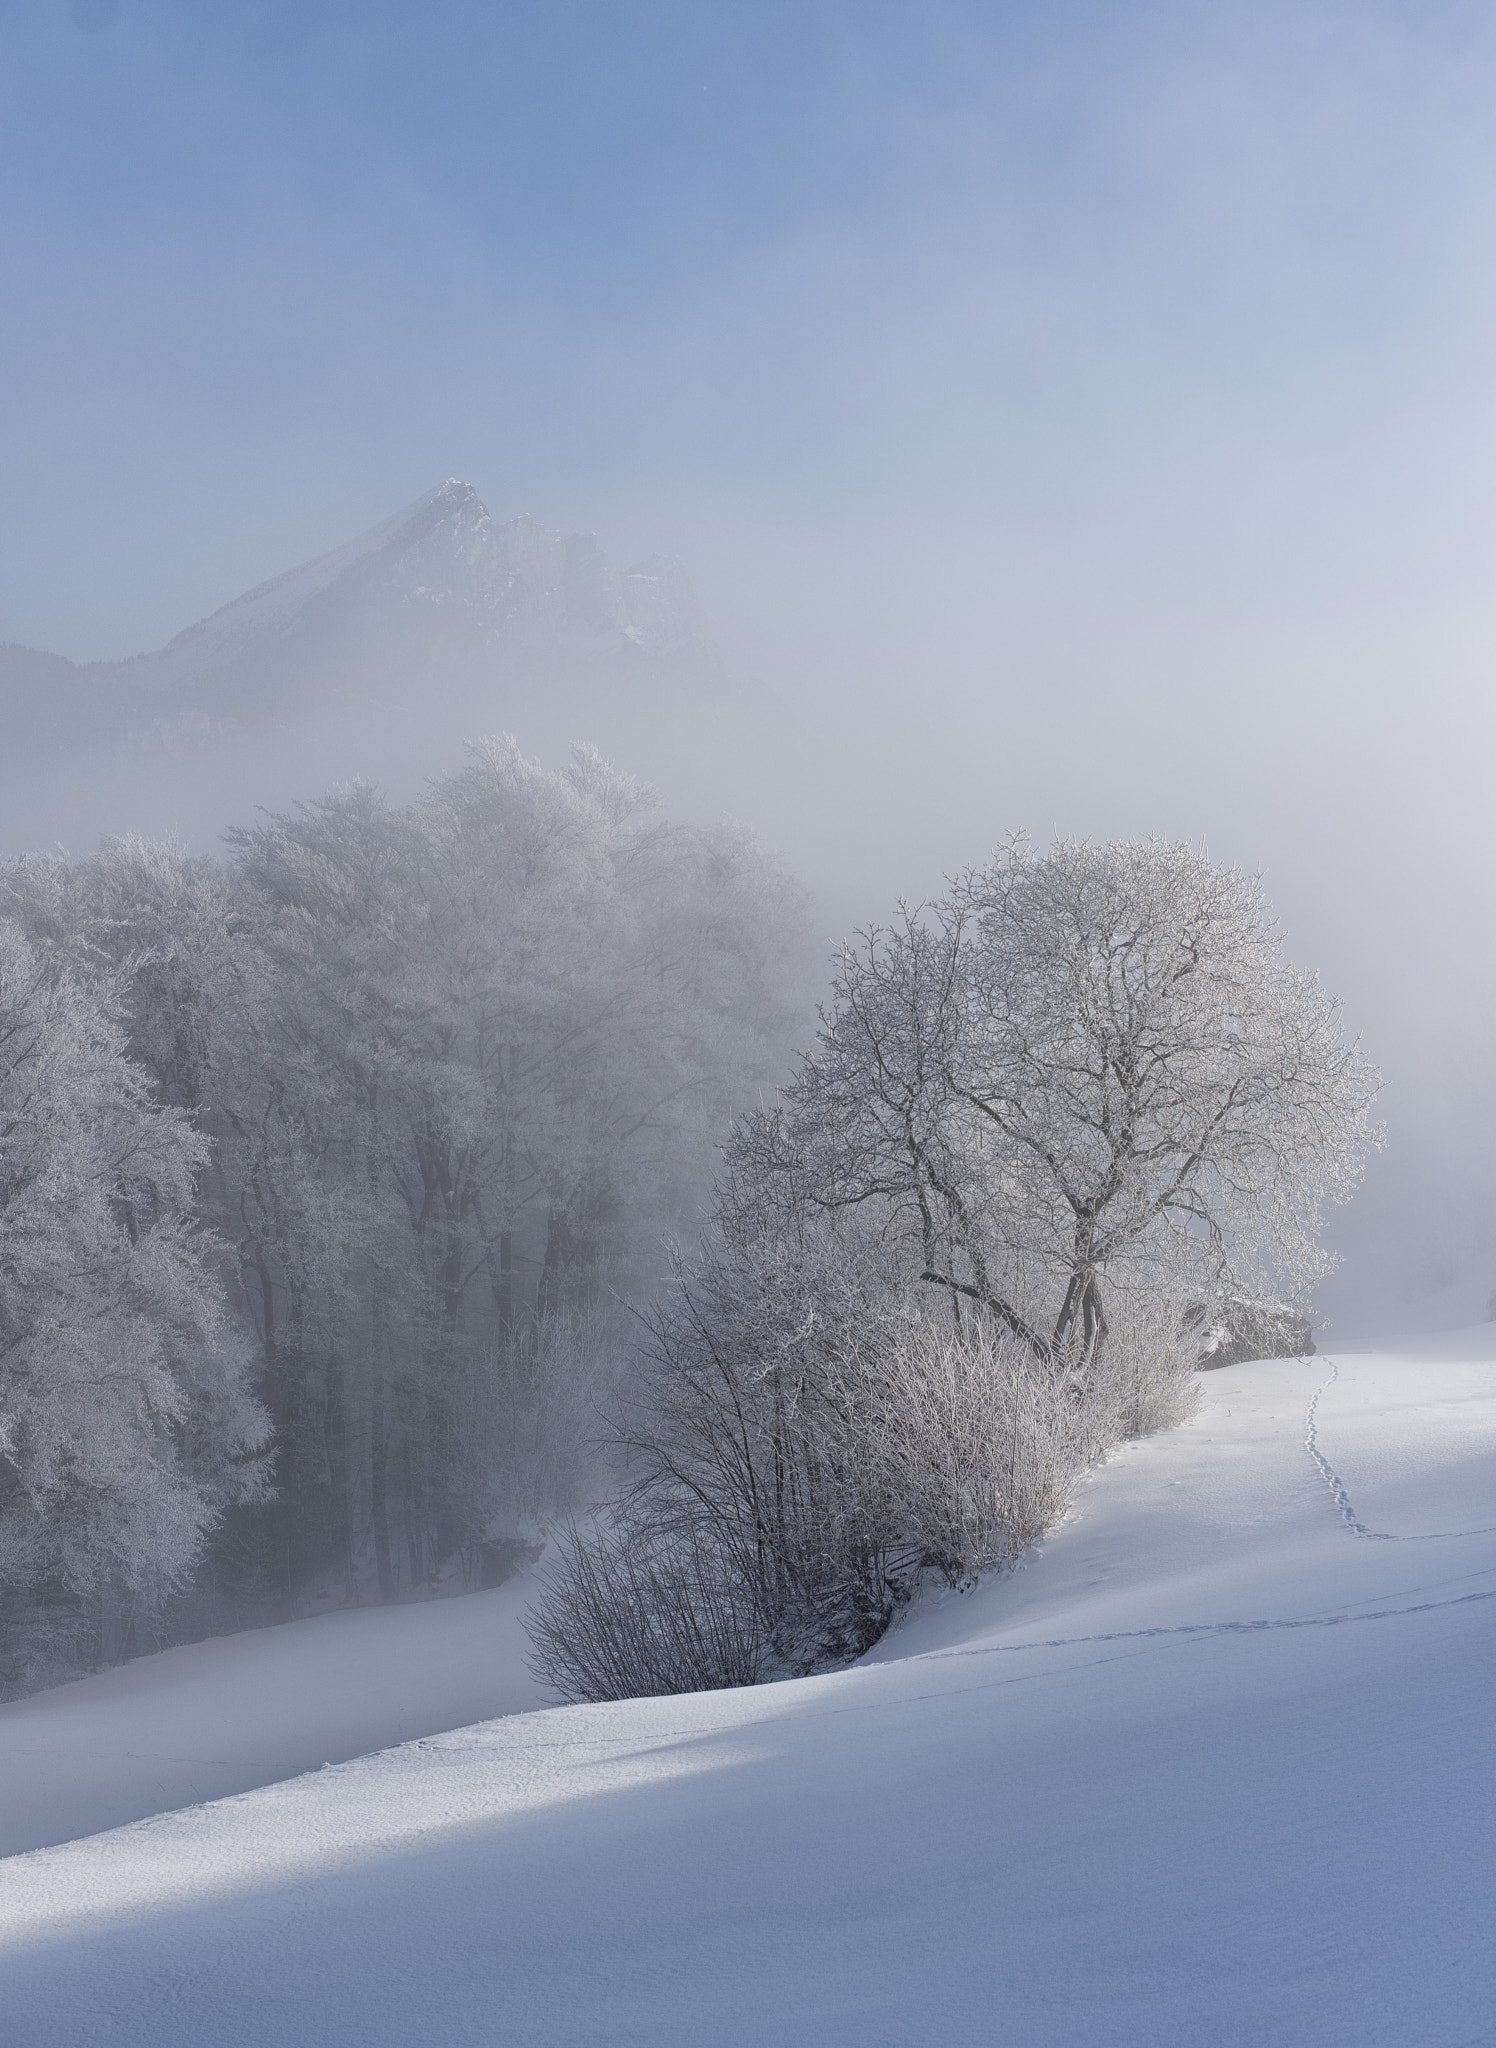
x=1080, y=1069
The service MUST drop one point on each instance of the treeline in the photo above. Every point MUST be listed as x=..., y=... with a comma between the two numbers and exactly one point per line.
x=322, y=1170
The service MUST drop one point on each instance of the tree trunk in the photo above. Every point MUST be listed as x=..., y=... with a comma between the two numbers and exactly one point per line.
x=504, y=1301
x=335, y=1444
x=379, y=1452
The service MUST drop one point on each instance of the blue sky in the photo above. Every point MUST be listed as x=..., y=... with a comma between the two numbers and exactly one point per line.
x=706, y=273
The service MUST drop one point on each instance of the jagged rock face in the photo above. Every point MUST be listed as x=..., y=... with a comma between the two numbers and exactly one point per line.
x=450, y=552
x=442, y=596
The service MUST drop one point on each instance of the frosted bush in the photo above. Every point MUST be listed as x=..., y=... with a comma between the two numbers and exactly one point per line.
x=631, y=1612
x=808, y=1443
x=972, y=1442
x=1145, y=1376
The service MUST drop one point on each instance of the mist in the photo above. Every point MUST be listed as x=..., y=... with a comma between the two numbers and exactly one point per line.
x=1073, y=422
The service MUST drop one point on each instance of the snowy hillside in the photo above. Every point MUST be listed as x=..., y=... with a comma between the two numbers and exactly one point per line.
x=1213, y=1768
x=212, y=1718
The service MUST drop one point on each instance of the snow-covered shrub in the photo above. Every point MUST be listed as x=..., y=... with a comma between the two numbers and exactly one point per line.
x=971, y=1443
x=808, y=1439
x=1236, y=1328
x=1144, y=1376
x=631, y=1611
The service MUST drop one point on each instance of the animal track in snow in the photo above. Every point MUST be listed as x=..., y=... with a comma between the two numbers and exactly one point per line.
x=1342, y=1499
x=1222, y=1628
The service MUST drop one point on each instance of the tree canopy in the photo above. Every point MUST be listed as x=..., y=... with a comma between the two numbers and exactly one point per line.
x=1081, y=1065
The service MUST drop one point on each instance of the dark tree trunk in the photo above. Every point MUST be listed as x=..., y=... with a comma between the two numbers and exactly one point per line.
x=379, y=1452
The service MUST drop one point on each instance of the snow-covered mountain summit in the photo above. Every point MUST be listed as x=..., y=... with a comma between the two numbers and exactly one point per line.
x=378, y=659
x=441, y=578
x=446, y=569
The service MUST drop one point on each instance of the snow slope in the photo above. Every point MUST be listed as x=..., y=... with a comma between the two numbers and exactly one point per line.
x=244, y=1710
x=1214, y=1768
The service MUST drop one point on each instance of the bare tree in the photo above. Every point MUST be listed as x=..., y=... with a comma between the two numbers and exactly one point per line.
x=1083, y=1063
x=634, y=1610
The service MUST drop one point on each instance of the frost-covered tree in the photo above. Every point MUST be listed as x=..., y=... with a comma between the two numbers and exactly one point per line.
x=1084, y=1065
x=507, y=1026
x=126, y=1427
x=1078, y=1102
x=452, y=1068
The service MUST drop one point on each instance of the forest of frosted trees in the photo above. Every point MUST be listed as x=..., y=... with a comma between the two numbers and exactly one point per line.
x=324, y=1170
x=425, y=1181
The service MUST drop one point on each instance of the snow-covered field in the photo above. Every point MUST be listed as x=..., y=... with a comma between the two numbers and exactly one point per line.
x=239, y=1711
x=1214, y=1768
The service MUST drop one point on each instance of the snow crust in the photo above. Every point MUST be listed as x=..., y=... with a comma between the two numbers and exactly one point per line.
x=1212, y=1768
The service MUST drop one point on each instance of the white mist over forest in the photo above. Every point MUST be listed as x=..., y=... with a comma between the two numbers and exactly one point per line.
x=884, y=712
x=1071, y=423
x=747, y=1204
